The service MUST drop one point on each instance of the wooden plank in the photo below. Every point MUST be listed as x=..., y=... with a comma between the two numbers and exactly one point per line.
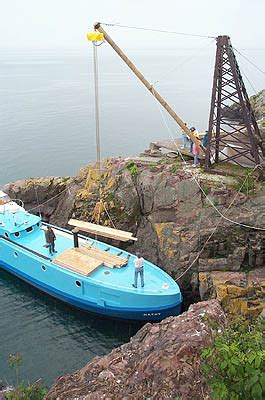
x=110, y=260
x=102, y=230
x=76, y=261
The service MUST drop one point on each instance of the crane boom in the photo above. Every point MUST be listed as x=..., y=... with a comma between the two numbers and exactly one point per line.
x=148, y=85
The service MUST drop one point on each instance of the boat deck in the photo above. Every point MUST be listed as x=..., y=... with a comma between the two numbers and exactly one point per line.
x=101, y=270
x=86, y=259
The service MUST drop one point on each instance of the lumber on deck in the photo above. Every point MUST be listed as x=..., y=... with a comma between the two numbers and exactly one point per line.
x=77, y=261
x=108, y=259
x=100, y=230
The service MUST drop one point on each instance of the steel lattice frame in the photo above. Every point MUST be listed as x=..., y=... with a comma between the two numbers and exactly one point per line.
x=227, y=139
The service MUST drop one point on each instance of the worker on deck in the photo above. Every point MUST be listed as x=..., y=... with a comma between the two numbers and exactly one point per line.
x=184, y=138
x=50, y=240
x=138, y=269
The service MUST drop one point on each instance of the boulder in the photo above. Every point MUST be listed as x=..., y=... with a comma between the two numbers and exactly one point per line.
x=240, y=293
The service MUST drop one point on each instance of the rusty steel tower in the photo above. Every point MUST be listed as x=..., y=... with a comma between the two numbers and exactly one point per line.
x=231, y=140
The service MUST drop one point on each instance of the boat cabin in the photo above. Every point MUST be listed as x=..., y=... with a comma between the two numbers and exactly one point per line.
x=15, y=221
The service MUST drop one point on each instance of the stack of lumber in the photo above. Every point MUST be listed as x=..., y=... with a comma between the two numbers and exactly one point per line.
x=75, y=260
x=109, y=260
x=100, y=230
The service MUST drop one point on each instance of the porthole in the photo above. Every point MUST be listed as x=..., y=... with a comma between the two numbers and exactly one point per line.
x=38, y=224
x=6, y=235
x=17, y=234
x=15, y=254
x=29, y=229
x=106, y=272
x=43, y=267
x=78, y=283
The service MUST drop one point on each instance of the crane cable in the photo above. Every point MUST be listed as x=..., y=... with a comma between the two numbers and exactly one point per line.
x=157, y=30
x=222, y=215
x=197, y=182
x=251, y=62
x=101, y=202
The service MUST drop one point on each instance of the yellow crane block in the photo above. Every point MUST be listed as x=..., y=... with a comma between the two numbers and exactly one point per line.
x=95, y=37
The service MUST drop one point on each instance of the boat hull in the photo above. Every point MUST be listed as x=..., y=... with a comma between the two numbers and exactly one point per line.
x=136, y=314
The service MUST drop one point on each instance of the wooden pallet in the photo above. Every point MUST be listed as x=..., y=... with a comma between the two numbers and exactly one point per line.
x=108, y=259
x=75, y=260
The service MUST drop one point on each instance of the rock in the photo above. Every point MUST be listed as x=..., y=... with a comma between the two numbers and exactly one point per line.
x=39, y=191
x=258, y=105
x=164, y=208
x=162, y=361
x=239, y=293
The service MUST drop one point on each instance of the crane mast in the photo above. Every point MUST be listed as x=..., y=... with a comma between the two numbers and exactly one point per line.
x=148, y=85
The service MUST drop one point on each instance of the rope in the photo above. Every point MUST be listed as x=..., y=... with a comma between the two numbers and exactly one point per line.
x=222, y=215
x=251, y=62
x=252, y=87
x=214, y=230
x=37, y=198
x=108, y=215
x=47, y=201
x=158, y=30
x=197, y=182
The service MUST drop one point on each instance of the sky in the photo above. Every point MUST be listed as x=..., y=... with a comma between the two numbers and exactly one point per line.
x=49, y=24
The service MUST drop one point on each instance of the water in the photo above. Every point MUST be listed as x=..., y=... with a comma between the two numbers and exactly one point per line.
x=47, y=109
x=54, y=339
x=47, y=128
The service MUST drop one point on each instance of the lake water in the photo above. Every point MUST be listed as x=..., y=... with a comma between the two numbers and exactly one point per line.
x=47, y=128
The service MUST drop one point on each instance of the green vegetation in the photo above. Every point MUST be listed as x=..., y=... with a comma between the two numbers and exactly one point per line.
x=234, y=364
x=206, y=188
x=23, y=392
x=29, y=392
x=14, y=362
x=246, y=184
x=133, y=169
x=175, y=167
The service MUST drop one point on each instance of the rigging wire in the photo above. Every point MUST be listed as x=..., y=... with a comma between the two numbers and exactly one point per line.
x=214, y=230
x=222, y=215
x=96, y=102
x=251, y=62
x=157, y=30
x=195, y=54
x=197, y=182
x=252, y=87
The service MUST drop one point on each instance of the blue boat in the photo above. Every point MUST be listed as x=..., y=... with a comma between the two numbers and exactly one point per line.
x=85, y=273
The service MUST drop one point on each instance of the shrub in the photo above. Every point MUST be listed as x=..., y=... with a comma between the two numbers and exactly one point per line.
x=234, y=365
x=132, y=168
x=30, y=392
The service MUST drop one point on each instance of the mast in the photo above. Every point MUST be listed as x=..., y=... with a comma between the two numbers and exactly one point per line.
x=148, y=85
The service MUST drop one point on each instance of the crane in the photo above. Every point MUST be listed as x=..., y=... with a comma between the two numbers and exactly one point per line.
x=151, y=89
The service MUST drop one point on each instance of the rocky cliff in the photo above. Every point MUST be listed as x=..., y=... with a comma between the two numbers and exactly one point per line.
x=257, y=102
x=175, y=217
x=162, y=361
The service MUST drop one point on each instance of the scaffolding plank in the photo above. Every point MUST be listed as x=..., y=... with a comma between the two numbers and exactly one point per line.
x=100, y=230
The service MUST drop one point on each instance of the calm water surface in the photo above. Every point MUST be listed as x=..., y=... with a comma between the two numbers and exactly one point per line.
x=47, y=128
x=54, y=339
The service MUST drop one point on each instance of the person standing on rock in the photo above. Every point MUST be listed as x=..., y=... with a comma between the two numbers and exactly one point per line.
x=50, y=240
x=138, y=270
x=184, y=138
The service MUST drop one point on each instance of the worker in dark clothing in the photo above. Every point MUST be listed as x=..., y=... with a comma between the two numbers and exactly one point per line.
x=50, y=239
